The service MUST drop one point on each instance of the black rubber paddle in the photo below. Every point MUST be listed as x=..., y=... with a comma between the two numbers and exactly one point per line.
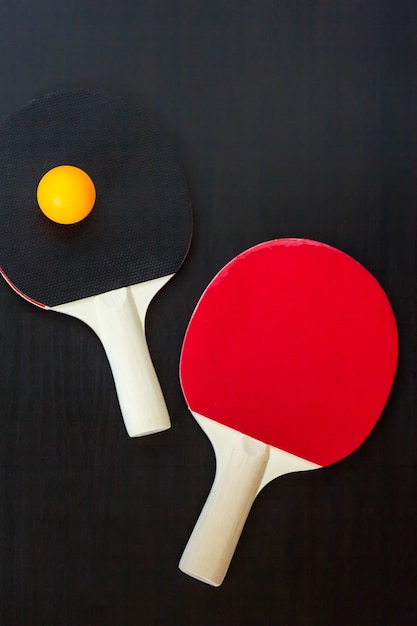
x=105, y=269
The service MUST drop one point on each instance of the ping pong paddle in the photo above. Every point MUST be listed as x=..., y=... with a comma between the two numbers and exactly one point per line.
x=106, y=268
x=287, y=363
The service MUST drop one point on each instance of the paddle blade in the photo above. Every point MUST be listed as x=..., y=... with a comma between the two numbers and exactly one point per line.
x=295, y=344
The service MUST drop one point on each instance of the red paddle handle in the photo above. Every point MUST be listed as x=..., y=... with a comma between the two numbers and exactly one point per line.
x=213, y=541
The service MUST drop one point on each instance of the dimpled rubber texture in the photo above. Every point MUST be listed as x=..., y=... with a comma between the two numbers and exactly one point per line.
x=140, y=226
x=295, y=344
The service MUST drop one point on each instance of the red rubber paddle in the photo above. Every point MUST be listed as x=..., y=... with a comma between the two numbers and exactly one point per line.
x=287, y=364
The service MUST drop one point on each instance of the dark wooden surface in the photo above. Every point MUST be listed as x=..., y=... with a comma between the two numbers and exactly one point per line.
x=292, y=119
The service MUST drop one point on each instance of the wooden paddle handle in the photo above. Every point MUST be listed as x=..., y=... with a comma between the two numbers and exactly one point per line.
x=213, y=541
x=121, y=331
x=118, y=318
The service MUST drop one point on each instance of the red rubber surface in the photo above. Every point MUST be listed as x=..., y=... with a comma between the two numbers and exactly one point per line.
x=293, y=343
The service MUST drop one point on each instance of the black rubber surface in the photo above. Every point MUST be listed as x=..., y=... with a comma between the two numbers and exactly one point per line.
x=140, y=227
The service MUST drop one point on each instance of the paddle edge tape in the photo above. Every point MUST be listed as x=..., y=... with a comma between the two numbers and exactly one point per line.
x=340, y=447
x=20, y=293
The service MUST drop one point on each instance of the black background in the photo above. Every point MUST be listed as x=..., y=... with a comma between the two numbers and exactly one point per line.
x=291, y=119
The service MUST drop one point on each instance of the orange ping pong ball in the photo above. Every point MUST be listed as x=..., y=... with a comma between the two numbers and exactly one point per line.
x=66, y=194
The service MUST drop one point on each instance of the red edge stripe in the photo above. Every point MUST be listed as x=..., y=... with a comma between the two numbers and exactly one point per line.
x=35, y=302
